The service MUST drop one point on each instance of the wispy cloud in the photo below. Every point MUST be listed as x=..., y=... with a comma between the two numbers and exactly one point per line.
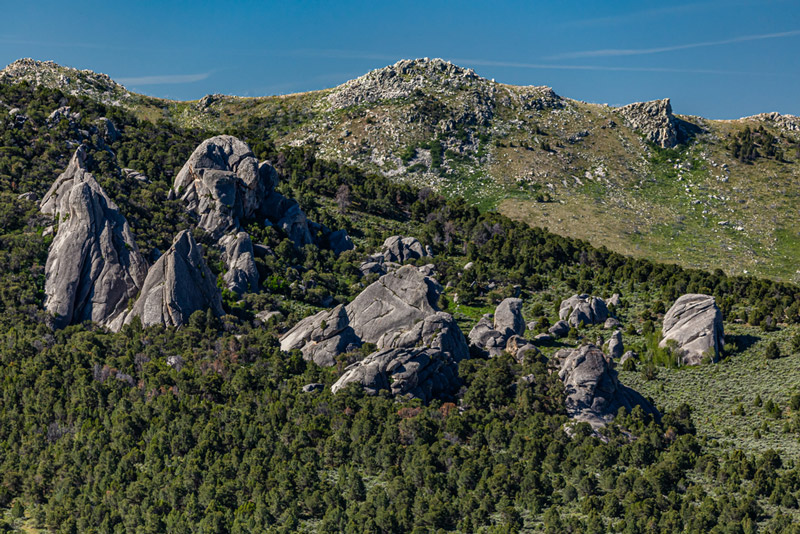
x=164, y=79
x=636, y=15
x=608, y=52
x=555, y=66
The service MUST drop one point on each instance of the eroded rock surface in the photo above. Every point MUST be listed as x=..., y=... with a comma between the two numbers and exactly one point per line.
x=694, y=323
x=593, y=391
x=419, y=346
x=177, y=285
x=242, y=274
x=93, y=267
x=395, y=251
x=492, y=332
x=654, y=119
x=583, y=309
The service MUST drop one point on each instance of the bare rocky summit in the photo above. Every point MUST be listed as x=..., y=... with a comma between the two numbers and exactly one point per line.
x=654, y=119
x=93, y=267
x=694, y=324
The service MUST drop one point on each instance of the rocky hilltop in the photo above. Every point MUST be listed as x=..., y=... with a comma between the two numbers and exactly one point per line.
x=666, y=186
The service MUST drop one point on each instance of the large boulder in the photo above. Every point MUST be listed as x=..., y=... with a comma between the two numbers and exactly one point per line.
x=615, y=346
x=422, y=373
x=322, y=337
x=93, y=267
x=395, y=303
x=238, y=255
x=583, y=309
x=654, y=119
x=508, y=317
x=177, y=285
x=694, y=323
x=593, y=391
x=560, y=329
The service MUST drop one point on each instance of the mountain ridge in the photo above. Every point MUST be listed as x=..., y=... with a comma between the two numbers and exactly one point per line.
x=637, y=179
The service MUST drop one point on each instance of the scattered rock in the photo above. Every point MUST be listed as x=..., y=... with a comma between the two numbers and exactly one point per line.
x=175, y=361
x=93, y=267
x=615, y=346
x=627, y=356
x=131, y=174
x=311, y=388
x=266, y=316
x=177, y=285
x=560, y=329
x=583, y=309
x=694, y=322
x=543, y=339
x=593, y=392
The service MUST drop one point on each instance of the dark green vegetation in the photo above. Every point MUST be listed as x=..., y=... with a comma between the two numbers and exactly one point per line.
x=99, y=434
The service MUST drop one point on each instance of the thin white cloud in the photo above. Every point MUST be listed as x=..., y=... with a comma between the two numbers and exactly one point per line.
x=552, y=66
x=657, y=50
x=636, y=15
x=164, y=80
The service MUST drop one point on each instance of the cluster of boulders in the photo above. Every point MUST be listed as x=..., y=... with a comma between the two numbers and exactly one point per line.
x=395, y=251
x=223, y=184
x=94, y=269
x=583, y=309
x=419, y=347
x=502, y=332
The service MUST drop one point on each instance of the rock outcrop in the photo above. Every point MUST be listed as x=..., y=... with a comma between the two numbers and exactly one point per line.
x=492, y=333
x=177, y=285
x=419, y=346
x=242, y=274
x=694, y=323
x=395, y=251
x=421, y=373
x=583, y=309
x=93, y=267
x=615, y=346
x=593, y=391
x=654, y=119
x=223, y=182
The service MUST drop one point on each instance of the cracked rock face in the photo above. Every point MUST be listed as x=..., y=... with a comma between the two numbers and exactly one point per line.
x=694, y=323
x=593, y=392
x=93, y=266
x=422, y=373
x=419, y=346
x=583, y=309
x=654, y=119
x=223, y=182
x=242, y=274
x=177, y=285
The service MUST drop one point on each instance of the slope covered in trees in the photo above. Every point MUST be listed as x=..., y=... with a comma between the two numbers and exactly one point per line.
x=207, y=428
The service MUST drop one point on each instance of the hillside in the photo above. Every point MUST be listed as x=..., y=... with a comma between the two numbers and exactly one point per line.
x=636, y=180
x=331, y=368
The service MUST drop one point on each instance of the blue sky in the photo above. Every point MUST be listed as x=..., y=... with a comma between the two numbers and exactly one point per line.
x=718, y=59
